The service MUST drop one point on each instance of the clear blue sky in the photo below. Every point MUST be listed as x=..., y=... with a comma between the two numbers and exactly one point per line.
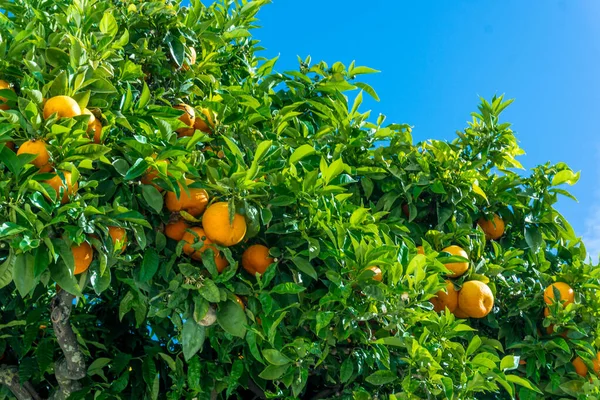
x=438, y=57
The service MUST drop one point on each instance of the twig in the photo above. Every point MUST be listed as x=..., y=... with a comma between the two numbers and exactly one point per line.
x=9, y=376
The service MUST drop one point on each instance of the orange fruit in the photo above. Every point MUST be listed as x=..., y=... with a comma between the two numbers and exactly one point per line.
x=205, y=123
x=190, y=238
x=94, y=126
x=83, y=256
x=493, y=229
x=240, y=302
x=218, y=227
x=457, y=268
x=118, y=236
x=36, y=147
x=4, y=100
x=567, y=295
x=192, y=58
x=63, y=106
x=152, y=173
x=68, y=188
x=475, y=299
x=443, y=299
x=256, y=259
x=188, y=118
x=194, y=203
x=378, y=276
x=176, y=230
x=458, y=313
x=580, y=367
x=420, y=250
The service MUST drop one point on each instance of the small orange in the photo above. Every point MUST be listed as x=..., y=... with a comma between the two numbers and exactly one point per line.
x=567, y=295
x=420, y=250
x=4, y=100
x=447, y=298
x=218, y=227
x=256, y=259
x=194, y=203
x=190, y=238
x=94, y=126
x=63, y=106
x=188, y=118
x=240, y=302
x=457, y=268
x=378, y=276
x=475, y=299
x=580, y=367
x=205, y=123
x=83, y=256
x=118, y=236
x=152, y=173
x=176, y=230
x=68, y=188
x=36, y=147
x=493, y=229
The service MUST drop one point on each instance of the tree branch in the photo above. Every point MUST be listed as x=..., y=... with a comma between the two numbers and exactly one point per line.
x=70, y=369
x=9, y=376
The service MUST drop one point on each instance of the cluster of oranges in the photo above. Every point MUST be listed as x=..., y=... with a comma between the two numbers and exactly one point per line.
x=205, y=123
x=475, y=298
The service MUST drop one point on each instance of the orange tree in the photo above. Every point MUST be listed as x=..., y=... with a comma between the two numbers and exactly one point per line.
x=180, y=221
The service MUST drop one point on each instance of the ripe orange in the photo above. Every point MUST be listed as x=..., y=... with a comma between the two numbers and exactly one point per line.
x=3, y=100
x=83, y=256
x=205, y=124
x=443, y=299
x=218, y=227
x=94, y=126
x=188, y=118
x=458, y=313
x=580, y=367
x=192, y=57
x=190, y=239
x=36, y=147
x=176, y=230
x=475, y=299
x=256, y=259
x=457, y=268
x=567, y=295
x=493, y=229
x=118, y=236
x=194, y=203
x=68, y=188
x=378, y=276
x=420, y=250
x=152, y=173
x=63, y=106
x=240, y=302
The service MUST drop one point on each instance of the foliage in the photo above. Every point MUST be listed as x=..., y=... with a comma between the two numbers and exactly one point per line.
x=316, y=180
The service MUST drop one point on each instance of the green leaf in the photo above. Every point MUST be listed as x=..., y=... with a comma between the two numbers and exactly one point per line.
x=522, y=382
x=42, y=261
x=108, y=24
x=193, y=373
x=192, y=338
x=509, y=363
x=323, y=319
x=304, y=266
x=149, y=264
x=232, y=318
x=346, y=370
x=565, y=176
x=275, y=357
x=210, y=291
x=382, y=377
x=533, y=237
x=288, y=288
x=10, y=229
x=153, y=197
x=273, y=372
x=63, y=275
x=23, y=275
x=303, y=151
x=473, y=345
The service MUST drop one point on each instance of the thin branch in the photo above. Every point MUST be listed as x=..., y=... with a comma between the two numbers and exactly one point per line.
x=258, y=392
x=70, y=369
x=9, y=376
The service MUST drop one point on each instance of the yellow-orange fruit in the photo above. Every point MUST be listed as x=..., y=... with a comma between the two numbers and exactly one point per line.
x=190, y=238
x=69, y=188
x=118, y=236
x=188, y=118
x=176, y=230
x=63, y=106
x=443, y=299
x=420, y=250
x=493, y=229
x=193, y=203
x=36, y=147
x=4, y=100
x=458, y=313
x=377, y=274
x=205, y=122
x=475, y=299
x=457, y=268
x=256, y=259
x=219, y=228
x=94, y=127
x=83, y=256
x=152, y=173
x=580, y=367
x=567, y=295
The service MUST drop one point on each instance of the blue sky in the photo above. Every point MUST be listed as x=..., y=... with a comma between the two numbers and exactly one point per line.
x=436, y=59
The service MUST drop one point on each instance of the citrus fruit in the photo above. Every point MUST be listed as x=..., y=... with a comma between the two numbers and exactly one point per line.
x=83, y=256
x=206, y=121
x=567, y=295
x=493, y=229
x=447, y=298
x=219, y=228
x=579, y=366
x=240, y=302
x=188, y=118
x=94, y=126
x=64, y=183
x=152, y=173
x=377, y=275
x=118, y=236
x=197, y=234
x=475, y=299
x=176, y=230
x=457, y=268
x=63, y=106
x=36, y=147
x=4, y=100
x=420, y=250
x=458, y=313
x=193, y=203
x=256, y=259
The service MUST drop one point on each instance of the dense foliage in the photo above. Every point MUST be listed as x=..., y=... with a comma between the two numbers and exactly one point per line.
x=341, y=200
